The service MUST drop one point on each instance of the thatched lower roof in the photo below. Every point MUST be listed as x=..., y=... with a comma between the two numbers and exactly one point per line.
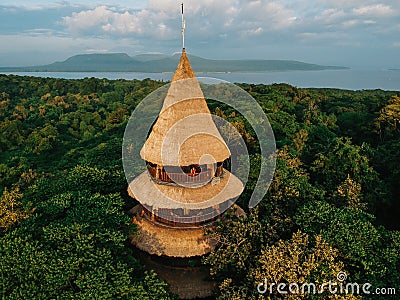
x=148, y=192
x=169, y=241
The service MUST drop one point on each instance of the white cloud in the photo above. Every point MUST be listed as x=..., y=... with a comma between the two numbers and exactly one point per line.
x=377, y=10
x=369, y=22
x=161, y=19
x=346, y=4
x=330, y=15
x=105, y=20
x=350, y=16
x=350, y=23
x=256, y=31
x=270, y=15
x=40, y=32
x=88, y=19
x=96, y=50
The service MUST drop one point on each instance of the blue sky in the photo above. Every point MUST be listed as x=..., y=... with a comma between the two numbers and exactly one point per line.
x=355, y=33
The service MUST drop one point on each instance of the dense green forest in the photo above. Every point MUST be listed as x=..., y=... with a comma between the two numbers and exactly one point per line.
x=333, y=204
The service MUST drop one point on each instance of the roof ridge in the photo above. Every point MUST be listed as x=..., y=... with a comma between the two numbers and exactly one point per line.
x=184, y=69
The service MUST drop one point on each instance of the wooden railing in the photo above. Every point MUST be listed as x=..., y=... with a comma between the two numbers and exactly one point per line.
x=167, y=217
x=184, y=178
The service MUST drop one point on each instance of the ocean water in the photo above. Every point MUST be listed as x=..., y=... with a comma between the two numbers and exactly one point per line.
x=351, y=79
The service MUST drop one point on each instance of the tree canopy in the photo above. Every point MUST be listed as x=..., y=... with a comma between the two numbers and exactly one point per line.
x=332, y=205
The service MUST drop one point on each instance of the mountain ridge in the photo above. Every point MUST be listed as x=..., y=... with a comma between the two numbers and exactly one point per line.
x=159, y=63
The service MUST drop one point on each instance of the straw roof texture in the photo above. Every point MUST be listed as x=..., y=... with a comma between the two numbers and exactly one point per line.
x=184, y=132
x=175, y=242
x=184, y=69
x=146, y=191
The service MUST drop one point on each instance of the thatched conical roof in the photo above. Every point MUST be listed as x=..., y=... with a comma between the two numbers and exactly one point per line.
x=184, y=132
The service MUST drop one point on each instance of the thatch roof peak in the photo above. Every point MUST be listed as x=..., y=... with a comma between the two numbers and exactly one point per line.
x=184, y=132
x=184, y=69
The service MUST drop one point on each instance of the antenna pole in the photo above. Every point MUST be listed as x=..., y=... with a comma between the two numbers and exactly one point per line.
x=183, y=29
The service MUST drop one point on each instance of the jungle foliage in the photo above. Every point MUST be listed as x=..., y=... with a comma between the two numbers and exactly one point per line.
x=332, y=206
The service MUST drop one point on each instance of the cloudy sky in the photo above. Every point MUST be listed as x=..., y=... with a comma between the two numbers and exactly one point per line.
x=355, y=33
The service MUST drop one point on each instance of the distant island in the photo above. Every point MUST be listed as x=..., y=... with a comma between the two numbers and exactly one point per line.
x=158, y=63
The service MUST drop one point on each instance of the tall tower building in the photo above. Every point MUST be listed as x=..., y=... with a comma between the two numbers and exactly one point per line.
x=185, y=187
